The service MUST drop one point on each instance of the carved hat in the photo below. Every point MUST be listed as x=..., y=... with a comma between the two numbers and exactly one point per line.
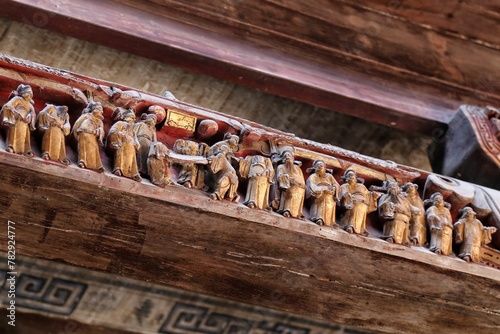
x=128, y=114
x=466, y=210
x=351, y=171
x=315, y=166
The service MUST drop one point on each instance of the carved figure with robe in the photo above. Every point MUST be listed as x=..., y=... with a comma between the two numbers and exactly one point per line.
x=439, y=221
x=145, y=131
x=291, y=186
x=89, y=132
x=18, y=115
x=122, y=139
x=260, y=174
x=190, y=174
x=470, y=234
x=230, y=141
x=53, y=121
x=323, y=191
x=395, y=210
x=356, y=202
x=224, y=176
x=418, y=229
x=158, y=164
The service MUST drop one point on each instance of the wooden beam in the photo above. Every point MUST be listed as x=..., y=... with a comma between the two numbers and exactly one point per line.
x=180, y=238
x=388, y=89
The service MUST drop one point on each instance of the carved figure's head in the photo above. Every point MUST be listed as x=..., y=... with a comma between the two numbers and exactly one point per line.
x=410, y=188
x=437, y=199
x=24, y=91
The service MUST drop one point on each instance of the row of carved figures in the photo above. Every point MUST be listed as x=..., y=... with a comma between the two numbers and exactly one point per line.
x=274, y=183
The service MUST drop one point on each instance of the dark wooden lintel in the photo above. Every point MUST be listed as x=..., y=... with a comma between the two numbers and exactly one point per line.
x=338, y=80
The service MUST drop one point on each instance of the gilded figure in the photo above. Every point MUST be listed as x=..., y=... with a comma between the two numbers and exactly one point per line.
x=418, y=230
x=439, y=221
x=145, y=131
x=260, y=174
x=291, y=186
x=395, y=210
x=89, y=132
x=356, y=202
x=191, y=174
x=122, y=139
x=18, y=115
x=224, y=176
x=230, y=141
x=323, y=191
x=470, y=234
x=158, y=164
x=53, y=121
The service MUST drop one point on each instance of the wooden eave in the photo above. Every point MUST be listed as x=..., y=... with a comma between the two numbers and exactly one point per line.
x=178, y=237
x=397, y=64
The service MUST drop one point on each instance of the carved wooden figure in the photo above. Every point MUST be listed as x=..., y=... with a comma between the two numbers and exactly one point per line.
x=54, y=122
x=89, y=132
x=260, y=174
x=395, y=210
x=145, y=131
x=291, y=186
x=18, y=115
x=356, y=202
x=439, y=220
x=323, y=190
x=230, y=141
x=470, y=234
x=418, y=229
x=191, y=174
x=122, y=139
x=158, y=164
x=224, y=175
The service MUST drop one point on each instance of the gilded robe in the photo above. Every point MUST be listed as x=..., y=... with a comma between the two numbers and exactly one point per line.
x=19, y=116
x=440, y=225
x=323, y=192
x=470, y=234
x=89, y=132
x=395, y=210
x=145, y=136
x=260, y=172
x=122, y=138
x=292, y=189
x=55, y=127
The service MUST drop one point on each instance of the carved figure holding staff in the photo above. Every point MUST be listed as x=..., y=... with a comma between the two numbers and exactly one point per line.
x=19, y=116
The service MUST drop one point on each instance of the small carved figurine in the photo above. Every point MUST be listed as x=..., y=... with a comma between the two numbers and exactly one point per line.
x=291, y=186
x=440, y=224
x=225, y=178
x=418, y=230
x=89, y=132
x=395, y=210
x=323, y=190
x=122, y=139
x=357, y=202
x=158, y=164
x=54, y=122
x=190, y=175
x=470, y=234
x=260, y=174
x=19, y=117
x=146, y=134
x=230, y=141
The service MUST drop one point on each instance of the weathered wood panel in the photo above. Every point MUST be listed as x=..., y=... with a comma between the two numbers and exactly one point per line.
x=57, y=298
x=370, y=75
x=178, y=237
